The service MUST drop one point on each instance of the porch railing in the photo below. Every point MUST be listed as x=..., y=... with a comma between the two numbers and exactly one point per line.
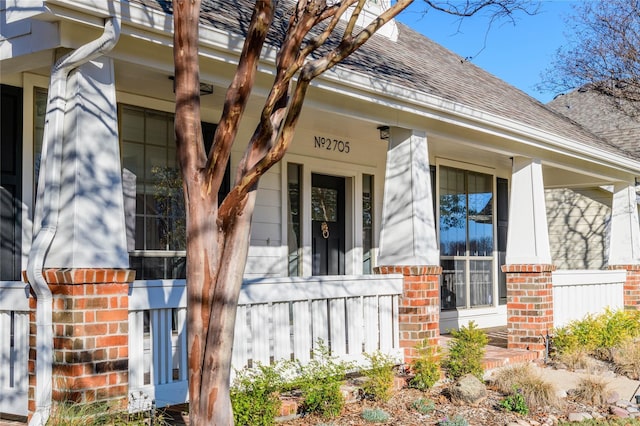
x=277, y=319
x=14, y=347
x=577, y=293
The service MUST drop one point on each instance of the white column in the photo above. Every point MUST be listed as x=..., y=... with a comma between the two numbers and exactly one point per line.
x=91, y=229
x=528, y=235
x=624, y=242
x=408, y=234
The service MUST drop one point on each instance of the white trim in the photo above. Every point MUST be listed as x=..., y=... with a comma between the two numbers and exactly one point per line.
x=567, y=277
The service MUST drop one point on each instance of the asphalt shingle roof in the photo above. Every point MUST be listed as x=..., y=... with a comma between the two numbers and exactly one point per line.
x=600, y=115
x=418, y=63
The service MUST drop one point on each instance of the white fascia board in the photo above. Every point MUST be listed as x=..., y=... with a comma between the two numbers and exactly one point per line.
x=156, y=26
x=18, y=10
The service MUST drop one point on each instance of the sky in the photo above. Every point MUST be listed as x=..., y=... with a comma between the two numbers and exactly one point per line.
x=516, y=53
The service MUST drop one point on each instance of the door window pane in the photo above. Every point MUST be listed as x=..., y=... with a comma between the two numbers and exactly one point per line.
x=466, y=238
x=453, y=212
x=452, y=287
x=324, y=204
x=480, y=214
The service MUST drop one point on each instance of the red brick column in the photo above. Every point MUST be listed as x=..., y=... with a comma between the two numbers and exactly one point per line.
x=90, y=336
x=529, y=306
x=419, y=307
x=631, y=285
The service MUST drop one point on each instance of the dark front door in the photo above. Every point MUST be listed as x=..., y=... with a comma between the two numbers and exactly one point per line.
x=327, y=223
x=10, y=182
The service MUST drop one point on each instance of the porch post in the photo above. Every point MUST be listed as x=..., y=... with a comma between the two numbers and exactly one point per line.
x=90, y=324
x=624, y=245
x=408, y=244
x=528, y=260
x=86, y=266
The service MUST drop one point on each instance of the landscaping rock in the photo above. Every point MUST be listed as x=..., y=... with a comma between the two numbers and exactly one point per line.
x=468, y=390
x=619, y=412
x=578, y=417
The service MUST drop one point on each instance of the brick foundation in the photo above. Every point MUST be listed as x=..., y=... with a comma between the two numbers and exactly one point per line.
x=419, y=306
x=90, y=336
x=631, y=285
x=529, y=306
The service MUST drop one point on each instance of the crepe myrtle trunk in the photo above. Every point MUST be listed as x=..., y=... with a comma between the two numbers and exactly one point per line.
x=210, y=348
x=218, y=232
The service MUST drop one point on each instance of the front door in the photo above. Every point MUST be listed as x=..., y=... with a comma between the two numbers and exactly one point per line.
x=327, y=223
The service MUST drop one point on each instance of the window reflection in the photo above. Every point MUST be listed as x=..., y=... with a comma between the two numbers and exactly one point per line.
x=466, y=238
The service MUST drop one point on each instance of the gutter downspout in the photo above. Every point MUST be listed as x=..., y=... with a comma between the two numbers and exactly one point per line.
x=46, y=214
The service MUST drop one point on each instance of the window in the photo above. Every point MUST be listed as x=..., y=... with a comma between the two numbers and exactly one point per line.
x=466, y=238
x=154, y=202
x=294, y=179
x=367, y=223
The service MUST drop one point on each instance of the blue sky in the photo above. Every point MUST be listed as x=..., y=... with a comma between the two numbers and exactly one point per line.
x=517, y=54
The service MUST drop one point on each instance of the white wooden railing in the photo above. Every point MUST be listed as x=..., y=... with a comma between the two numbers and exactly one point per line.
x=278, y=319
x=577, y=293
x=14, y=347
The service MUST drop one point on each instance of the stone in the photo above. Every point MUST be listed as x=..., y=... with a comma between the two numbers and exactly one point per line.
x=561, y=394
x=534, y=423
x=619, y=412
x=613, y=397
x=468, y=390
x=632, y=409
x=578, y=417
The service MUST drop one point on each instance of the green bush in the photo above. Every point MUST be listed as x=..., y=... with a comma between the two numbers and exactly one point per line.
x=466, y=351
x=426, y=367
x=423, y=405
x=255, y=395
x=456, y=421
x=375, y=415
x=379, y=384
x=320, y=380
x=515, y=403
x=597, y=334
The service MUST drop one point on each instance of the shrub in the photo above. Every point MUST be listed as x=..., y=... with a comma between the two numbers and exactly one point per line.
x=320, y=380
x=379, y=384
x=466, y=351
x=375, y=415
x=524, y=380
x=426, y=367
x=597, y=334
x=456, y=421
x=516, y=403
x=626, y=359
x=255, y=395
x=592, y=390
x=423, y=405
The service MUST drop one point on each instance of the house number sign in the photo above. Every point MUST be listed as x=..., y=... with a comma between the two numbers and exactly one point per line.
x=331, y=144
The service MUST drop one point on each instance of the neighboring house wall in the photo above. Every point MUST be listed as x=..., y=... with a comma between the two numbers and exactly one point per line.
x=578, y=227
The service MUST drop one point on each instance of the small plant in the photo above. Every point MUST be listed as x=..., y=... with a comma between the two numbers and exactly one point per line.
x=70, y=413
x=423, y=405
x=515, y=403
x=626, y=359
x=466, y=351
x=535, y=391
x=375, y=415
x=379, y=384
x=254, y=395
x=592, y=390
x=426, y=367
x=320, y=380
x=456, y=421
